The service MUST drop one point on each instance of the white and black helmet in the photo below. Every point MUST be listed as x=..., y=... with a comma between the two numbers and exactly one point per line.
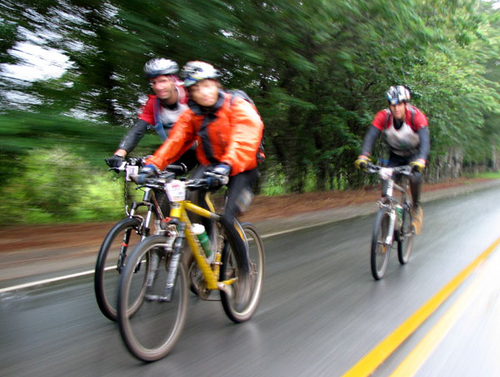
x=397, y=94
x=159, y=66
x=195, y=71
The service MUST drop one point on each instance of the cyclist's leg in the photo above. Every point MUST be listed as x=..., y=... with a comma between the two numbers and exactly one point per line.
x=416, y=188
x=239, y=197
x=416, y=210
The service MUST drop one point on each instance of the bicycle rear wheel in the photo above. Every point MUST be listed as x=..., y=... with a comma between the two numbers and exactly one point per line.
x=121, y=239
x=236, y=309
x=151, y=332
x=379, y=256
x=405, y=242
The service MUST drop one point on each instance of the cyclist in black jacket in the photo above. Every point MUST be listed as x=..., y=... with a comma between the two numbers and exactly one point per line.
x=160, y=112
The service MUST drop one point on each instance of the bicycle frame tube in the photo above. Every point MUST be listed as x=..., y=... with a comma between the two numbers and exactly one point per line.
x=391, y=206
x=400, y=188
x=179, y=210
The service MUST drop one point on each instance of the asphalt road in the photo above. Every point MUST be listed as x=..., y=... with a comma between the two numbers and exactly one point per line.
x=321, y=311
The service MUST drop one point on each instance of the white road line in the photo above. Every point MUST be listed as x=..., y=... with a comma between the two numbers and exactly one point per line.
x=45, y=281
x=66, y=277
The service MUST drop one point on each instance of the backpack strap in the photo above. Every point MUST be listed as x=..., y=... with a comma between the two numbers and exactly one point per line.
x=388, y=117
x=158, y=127
x=413, y=112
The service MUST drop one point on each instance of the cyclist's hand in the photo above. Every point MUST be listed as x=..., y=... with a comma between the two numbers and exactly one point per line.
x=115, y=161
x=219, y=175
x=146, y=172
x=362, y=162
x=418, y=165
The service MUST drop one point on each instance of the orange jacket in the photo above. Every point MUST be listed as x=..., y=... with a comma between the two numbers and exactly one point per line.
x=231, y=133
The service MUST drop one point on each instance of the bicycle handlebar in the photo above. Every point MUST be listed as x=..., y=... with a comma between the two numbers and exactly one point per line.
x=403, y=169
x=132, y=161
x=159, y=182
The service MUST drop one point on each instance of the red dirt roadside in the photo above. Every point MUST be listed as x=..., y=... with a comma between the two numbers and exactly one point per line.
x=59, y=237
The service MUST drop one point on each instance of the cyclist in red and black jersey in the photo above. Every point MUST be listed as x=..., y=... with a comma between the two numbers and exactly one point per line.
x=160, y=112
x=406, y=133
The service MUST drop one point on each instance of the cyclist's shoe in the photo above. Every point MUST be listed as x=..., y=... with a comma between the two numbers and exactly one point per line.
x=417, y=216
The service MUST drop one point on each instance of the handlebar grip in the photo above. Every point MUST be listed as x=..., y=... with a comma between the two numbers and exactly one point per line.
x=177, y=169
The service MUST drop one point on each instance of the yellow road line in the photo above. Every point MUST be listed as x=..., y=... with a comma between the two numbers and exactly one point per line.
x=384, y=349
x=416, y=358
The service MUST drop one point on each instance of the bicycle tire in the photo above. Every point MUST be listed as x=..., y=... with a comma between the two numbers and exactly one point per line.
x=195, y=277
x=152, y=331
x=379, y=255
x=241, y=312
x=405, y=241
x=107, y=271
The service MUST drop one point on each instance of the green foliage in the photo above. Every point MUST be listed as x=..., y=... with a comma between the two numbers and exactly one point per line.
x=55, y=185
x=316, y=69
x=486, y=175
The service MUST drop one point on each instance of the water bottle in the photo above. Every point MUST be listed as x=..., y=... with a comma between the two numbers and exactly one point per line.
x=199, y=231
x=399, y=213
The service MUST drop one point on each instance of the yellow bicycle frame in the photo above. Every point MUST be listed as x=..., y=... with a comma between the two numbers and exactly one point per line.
x=179, y=211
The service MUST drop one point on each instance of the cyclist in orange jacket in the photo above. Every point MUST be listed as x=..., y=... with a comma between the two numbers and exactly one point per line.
x=407, y=134
x=229, y=131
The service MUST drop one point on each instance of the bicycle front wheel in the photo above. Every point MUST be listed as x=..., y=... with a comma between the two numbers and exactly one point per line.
x=121, y=239
x=379, y=257
x=405, y=243
x=151, y=332
x=236, y=309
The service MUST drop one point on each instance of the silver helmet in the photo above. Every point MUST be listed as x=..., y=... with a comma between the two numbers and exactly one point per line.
x=159, y=66
x=195, y=71
x=397, y=94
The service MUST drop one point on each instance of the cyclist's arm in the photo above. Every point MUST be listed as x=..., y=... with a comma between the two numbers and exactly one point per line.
x=420, y=125
x=370, y=138
x=133, y=137
x=425, y=143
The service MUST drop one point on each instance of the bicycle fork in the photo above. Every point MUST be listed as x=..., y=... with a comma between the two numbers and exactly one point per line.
x=389, y=238
x=174, y=265
x=390, y=231
x=154, y=262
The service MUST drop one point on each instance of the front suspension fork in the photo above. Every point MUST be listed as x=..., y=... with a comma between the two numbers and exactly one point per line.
x=173, y=268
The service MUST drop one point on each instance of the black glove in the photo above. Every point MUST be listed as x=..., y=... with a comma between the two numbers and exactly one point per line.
x=218, y=175
x=115, y=161
x=146, y=172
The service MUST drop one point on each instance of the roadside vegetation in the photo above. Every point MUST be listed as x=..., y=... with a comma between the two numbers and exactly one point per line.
x=317, y=70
